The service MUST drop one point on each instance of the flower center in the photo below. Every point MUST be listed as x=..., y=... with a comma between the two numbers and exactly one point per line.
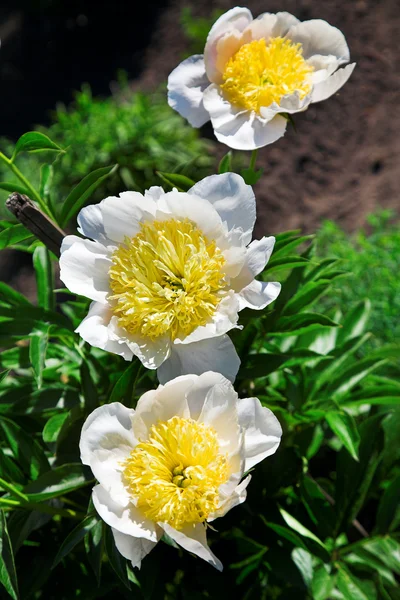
x=166, y=279
x=175, y=475
x=260, y=73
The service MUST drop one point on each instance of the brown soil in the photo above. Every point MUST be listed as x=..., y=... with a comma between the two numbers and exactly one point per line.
x=343, y=162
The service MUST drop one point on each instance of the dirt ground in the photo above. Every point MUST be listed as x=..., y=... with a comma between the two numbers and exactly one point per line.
x=344, y=160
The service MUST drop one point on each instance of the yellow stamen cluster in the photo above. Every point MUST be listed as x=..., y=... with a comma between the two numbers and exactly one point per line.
x=175, y=475
x=261, y=73
x=166, y=280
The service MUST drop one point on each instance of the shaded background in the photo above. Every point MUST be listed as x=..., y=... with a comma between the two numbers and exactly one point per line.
x=343, y=161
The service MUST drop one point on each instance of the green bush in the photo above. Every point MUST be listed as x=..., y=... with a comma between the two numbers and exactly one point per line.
x=372, y=262
x=137, y=131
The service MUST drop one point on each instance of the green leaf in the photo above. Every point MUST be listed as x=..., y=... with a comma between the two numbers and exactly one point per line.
x=46, y=178
x=13, y=235
x=299, y=528
x=122, y=390
x=74, y=537
x=175, y=180
x=25, y=449
x=250, y=176
x=286, y=263
x=283, y=247
x=355, y=322
x=37, y=355
x=306, y=295
x=344, y=426
x=13, y=187
x=44, y=278
x=261, y=365
x=367, y=562
x=350, y=586
x=302, y=323
x=88, y=388
x=353, y=478
x=285, y=533
x=388, y=506
x=58, y=481
x=9, y=470
x=80, y=194
x=94, y=546
x=8, y=575
x=11, y=296
x=117, y=561
x=322, y=583
x=386, y=549
x=225, y=165
x=348, y=379
x=303, y=561
x=53, y=427
x=33, y=140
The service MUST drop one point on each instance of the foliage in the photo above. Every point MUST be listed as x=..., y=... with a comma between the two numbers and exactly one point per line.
x=372, y=260
x=321, y=520
x=139, y=132
x=196, y=29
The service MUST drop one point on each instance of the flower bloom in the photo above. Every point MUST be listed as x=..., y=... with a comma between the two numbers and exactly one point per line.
x=176, y=462
x=168, y=274
x=254, y=72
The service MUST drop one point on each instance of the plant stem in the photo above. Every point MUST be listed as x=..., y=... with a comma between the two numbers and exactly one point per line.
x=29, y=187
x=253, y=159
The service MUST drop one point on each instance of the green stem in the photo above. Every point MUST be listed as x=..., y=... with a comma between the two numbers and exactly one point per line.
x=35, y=195
x=253, y=159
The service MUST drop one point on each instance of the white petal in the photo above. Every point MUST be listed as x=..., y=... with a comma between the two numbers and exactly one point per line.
x=258, y=294
x=84, y=267
x=292, y=103
x=318, y=37
x=258, y=254
x=233, y=21
x=154, y=192
x=269, y=25
x=261, y=428
x=202, y=384
x=162, y=404
x=330, y=86
x=122, y=216
x=217, y=354
x=238, y=496
x=128, y=520
x=186, y=85
x=151, y=353
x=232, y=198
x=95, y=330
x=193, y=538
x=198, y=210
x=108, y=427
x=323, y=67
x=220, y=412
x=238, y=128
x=90, y=221
x=132, y=548
x=224, y=319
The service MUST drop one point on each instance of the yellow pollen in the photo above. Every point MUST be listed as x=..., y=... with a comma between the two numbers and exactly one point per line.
x=260, y=73
x=167, y=279
x=175, y=475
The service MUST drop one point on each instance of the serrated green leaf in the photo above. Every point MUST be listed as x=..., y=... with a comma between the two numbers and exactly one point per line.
x=344, y=426
x=13, y=235
x=8, y=575
x=181, y=182
x=58, y=481
x=74, y=537
x=33, y=140
x=225, y=164
x=24, y=448
x=82, y=192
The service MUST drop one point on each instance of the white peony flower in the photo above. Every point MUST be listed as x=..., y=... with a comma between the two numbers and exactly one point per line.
x=255, y=70
x=168, y=273
x=176, y=462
